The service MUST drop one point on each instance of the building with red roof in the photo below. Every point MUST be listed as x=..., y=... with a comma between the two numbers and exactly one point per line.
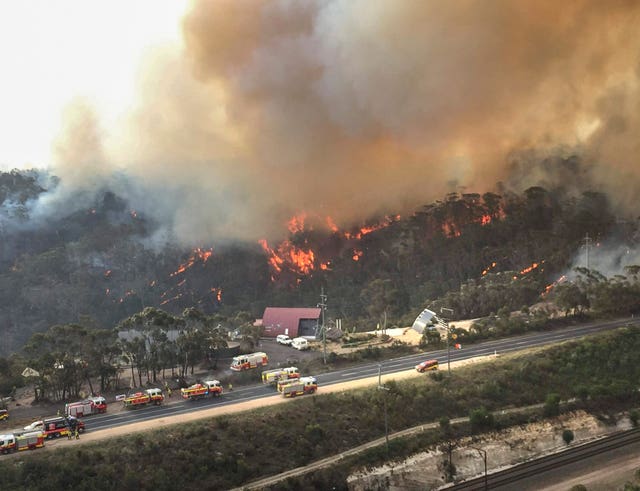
x=294, y=322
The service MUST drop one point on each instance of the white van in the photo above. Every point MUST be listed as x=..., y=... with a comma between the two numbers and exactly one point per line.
x=300, y=343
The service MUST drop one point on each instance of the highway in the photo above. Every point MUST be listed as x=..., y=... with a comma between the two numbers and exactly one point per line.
x=365, y=370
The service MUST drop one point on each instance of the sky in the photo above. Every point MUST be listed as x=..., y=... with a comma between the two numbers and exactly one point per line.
x=227, y=117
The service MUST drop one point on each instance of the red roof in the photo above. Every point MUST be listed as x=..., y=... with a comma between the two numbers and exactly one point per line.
x=283, y=320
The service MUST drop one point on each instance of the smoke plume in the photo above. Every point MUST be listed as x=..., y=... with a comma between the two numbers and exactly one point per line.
x=347, y=108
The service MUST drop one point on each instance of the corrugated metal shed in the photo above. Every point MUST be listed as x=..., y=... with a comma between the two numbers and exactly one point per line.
x=291, y=321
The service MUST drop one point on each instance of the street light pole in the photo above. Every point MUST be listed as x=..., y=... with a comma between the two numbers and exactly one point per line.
x=484, y=456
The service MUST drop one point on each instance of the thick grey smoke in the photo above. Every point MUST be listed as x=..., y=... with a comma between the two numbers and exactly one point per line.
x=349, y=107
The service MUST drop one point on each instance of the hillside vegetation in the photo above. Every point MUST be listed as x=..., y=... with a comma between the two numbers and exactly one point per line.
x=476, y=253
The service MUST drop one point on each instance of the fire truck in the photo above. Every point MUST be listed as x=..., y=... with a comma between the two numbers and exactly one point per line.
x=140, y=399
x=92, y=405
x=56, y=426
x=279, y=374
x=304, y=385
x=23, y=440
x=208, y=388
x=246, y=362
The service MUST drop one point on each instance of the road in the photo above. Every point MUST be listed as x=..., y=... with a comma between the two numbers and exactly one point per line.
x=254, y=392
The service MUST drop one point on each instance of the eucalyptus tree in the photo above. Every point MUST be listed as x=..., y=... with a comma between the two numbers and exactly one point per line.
x=61, y=357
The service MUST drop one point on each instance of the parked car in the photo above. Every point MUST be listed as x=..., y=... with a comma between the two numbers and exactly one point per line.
x=427, y=365
x=300, y=343
x=283, y=339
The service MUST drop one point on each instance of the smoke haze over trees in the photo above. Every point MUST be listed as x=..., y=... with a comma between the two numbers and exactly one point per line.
x=478, y=253
x=349, y=109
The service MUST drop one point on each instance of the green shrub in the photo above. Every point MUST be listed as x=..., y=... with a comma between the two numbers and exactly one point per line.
x=481, y=419
x=567, y=436
x=552, y=405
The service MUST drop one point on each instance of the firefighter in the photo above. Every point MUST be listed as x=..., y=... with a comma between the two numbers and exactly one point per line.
x=69, y=434
x=77, y=434
x=169, y=391
x=230, y=386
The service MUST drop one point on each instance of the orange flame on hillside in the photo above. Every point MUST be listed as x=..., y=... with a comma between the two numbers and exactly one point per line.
x=550, y=287
x=217, y=293
x=296, y=224
x=528, y=269
x=450, y=229
x=302, y=259
x=372, y=228
x=198, y=254
x=489, y=268
x=332, y=225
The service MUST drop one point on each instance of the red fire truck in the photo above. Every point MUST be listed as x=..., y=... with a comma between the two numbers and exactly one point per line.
x=140, y=399
x=22, y=440
x=292, y=388
x=92, y=405
x=208, y=388
x=246, y=362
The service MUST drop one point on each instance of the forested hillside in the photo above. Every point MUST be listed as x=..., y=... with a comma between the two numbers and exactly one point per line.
x=478, y=252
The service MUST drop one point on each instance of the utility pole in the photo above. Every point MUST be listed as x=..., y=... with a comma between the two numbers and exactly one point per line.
x=323, y=306
x=449, y=312
x=484, y=456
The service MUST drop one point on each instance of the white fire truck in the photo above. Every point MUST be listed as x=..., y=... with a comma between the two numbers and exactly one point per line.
x=279, y=374
x=25, y=440
x=208, y=388
x=247, y=362
x=140, y=399
x=92, y=405
x=304, y=385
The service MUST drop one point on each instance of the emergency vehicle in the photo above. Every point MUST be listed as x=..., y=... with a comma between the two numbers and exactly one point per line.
x=208, y=388
x=56, y=426
x=304, y=385
x=278, y=374
x=92, y=405
x=29, y=440
x=140, y=399
x=246, y=362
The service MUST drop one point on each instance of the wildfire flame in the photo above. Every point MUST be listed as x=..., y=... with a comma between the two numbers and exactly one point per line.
x=450, y=229
x=302, y=259
x=296, y=224
x=550, y=287
x=372, y=228
x=489, y=268
x=217, y=293
x=528, y=269
x=198, y=254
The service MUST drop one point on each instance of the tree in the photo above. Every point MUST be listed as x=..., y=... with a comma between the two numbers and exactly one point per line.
x=450, y=443
x=567, y=436
x=571, y=299
x=381, y=299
